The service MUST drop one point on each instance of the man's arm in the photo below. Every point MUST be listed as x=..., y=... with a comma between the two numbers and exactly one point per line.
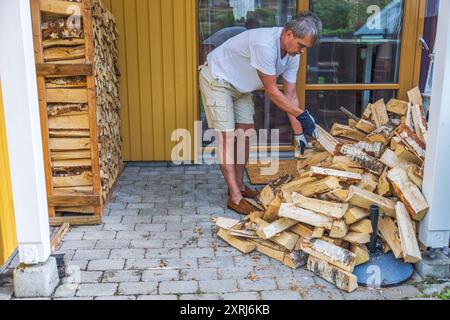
x=278, y=98
x=290, y=90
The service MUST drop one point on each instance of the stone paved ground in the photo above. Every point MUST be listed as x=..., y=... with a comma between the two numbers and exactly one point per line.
x=158, y=242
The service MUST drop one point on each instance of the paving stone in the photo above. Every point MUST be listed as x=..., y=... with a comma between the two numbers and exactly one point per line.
x=165, y=235
x=151, y=227
x=197, y=252
x=181, y=244
x=234, y=272
x=258, y=285
x=166, y=219
x=124, y=212
x=179, y=226
x=158, y=297
x=106, y=264
x=181, y=263
x=150, y=213
x=116, y=206
x=180, y=211
x=86, y=228
x=78, y=244
x=99, y=235
x=299, y=283
x=127, y=254
x=112, y=244
x=200, y=297
x=199, y=274
x=141, y=264
x=143, y=205
x=216, y=262
x=116, y=298
x=119, y=227
x=142, y=288
x=363, y=294
x=139, y=219
x=6, y=293
x=197, y=218
x=280, y=295
x=146, y=244
x=91, y=276
x=73, y=236
x=91, y=254
x=272, y=271
x=226, y=252
x=434, y=288
x=251, y=260
x=178, y=287
x=96, y=290
x=161, y=275
x=122, y=276
x=74, y=299
x=66, y=290
x=322, y=294
x=133, y=235
x=401, y=292
x=79, y=264
x=162, y=253
x=218, y=286
x=241, y=296
x=210, y=210
x=110, y=219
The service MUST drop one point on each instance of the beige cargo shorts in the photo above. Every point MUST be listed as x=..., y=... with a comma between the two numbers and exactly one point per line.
x=224, y=105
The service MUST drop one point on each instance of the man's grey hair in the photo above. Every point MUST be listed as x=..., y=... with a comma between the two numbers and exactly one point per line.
x=305, y=24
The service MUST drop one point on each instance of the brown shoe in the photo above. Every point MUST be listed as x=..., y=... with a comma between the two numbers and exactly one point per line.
x=244, y=207
x=249, y=193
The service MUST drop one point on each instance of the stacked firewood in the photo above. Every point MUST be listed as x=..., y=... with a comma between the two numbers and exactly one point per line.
x=106, y=58
x=320, y=218
x=69, y=102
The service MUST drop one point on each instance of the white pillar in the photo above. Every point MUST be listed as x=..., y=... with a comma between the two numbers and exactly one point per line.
x=18, y=78
x=435, y=229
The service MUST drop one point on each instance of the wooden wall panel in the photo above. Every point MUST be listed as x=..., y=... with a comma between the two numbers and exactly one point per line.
x=158, y=60
x=8, y=241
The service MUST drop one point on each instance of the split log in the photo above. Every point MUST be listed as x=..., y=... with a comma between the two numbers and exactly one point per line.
x=241, y=245
x=409, y=193
x=271, y=213
x=416, y=175
x=363, y=226
x=405, y=154
x=384, y=187
x=341, y=279
x=328, y=142
x=318, y=233
x=339, y=130
x=313, y=160
x=330, y=253
x=410, y=245
x=296, y=185
x=415, y=96
x=366, y=126
x=411, y=140
x=368, y=182
x=342, y=175
x=330, y=209
x=379, y=114
x=382, y=134
x=364, y=199
x=389, y=231
x=266, y=196
x=302, y=230
x=355, y=214
x=397, y=106
x=358, y=155
x=339, y=229
x=362, y=253
x=276, y=228
x=293, y=212
x=391, y=160
x=357, y=238
x=285, y=239
x=319, y=187
x=419, y=122
x=367, y=112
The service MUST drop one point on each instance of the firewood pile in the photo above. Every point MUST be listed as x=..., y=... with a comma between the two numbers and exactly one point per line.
x=106, y=59
x=320, y=217
x=78, y=53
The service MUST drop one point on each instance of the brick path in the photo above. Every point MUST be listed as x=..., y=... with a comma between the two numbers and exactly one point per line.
x=158, y=242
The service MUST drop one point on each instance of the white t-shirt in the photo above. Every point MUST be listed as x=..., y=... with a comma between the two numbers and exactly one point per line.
x=238, y=59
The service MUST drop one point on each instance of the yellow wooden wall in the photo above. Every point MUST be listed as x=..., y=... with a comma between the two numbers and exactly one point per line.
x=158, y=61
x=8, y=242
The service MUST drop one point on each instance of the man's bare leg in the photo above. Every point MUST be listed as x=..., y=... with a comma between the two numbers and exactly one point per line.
x=241, y=161
x=228, y=166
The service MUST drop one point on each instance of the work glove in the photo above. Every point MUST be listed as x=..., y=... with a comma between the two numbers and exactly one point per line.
x=308, y=124
x=301, y=144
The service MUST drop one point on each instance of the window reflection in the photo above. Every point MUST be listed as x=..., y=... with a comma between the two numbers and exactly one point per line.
x=360, y=42
x=325, y=105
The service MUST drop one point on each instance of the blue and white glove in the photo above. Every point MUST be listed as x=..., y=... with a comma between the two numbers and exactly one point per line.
x=308, y=124
x=301, y=143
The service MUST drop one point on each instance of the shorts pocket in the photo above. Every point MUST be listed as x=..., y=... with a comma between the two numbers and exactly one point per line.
x=218, y=109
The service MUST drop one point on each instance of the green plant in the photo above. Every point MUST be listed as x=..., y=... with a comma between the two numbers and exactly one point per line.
x=444, y=295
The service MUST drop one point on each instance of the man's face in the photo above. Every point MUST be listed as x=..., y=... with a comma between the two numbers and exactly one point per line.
x=295, y=46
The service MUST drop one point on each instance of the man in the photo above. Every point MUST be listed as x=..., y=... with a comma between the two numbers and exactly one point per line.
x=251, y=61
